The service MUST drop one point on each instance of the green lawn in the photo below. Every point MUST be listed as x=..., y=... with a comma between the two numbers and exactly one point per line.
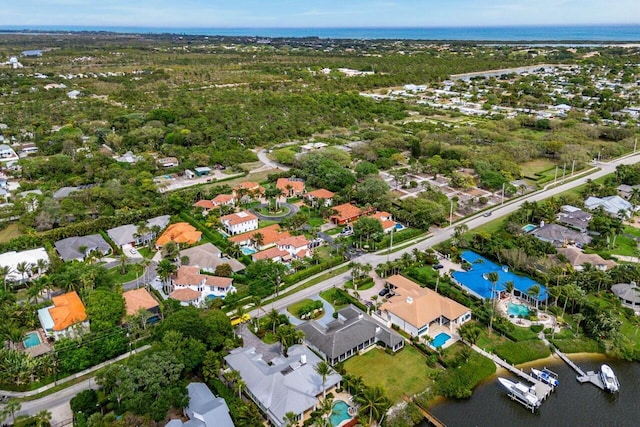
x=490, y=227
x=624, y=246
x=133, y=271
x=330, y=296
x=405, y=372
x=363, y=284
x=10, y=232
x=538, y=166
x=296, y=306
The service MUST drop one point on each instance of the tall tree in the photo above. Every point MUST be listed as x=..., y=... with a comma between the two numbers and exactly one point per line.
x=324, y=370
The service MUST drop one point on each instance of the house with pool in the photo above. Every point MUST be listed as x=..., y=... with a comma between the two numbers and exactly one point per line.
x=283, y=384
x=475, y=280
x=190, y=287
x=421, y=311
x=66, y=318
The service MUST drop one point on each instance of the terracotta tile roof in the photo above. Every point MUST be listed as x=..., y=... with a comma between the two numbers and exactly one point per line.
x=180, y=232
x=67, y=310
x=185, y=294
x=238, y=218
x=190, y=276
x=296, y=186
x=321, y=194
x=205, y=204
x=220, y=282
x=271, y=253
x=346, y=212
x=420, y=306
x=270, y=235
x=301, y=253
x=221, y=199
x=136, y=299
x=294, y=241
x=249, y=185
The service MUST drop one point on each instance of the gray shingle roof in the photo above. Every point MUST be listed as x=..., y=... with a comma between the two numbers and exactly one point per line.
x=208, y=257
x=126, y=233
x=284, y=385
x=69, y=248
x=559, y=235
x=351, y=328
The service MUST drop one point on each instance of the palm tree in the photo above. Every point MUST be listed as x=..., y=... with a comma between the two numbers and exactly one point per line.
x=43, y=418
x=234, y=251
x=290, y=419
x=493, y=278
x=165, y=270
x=373, y=403
x=4, y=271
x=579, y=317
x=142, y=231
x=12, y=406
x=258, y=240
x=324, y=370
x=155, y=230
x=123, y=259
x=510, y=286
x=23, y=268
x=170, y=251
x=42, y=266
x=534, y=292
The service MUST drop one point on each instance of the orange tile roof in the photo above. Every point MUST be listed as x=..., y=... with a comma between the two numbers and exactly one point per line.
x=271, y=253
x=185, y=294
x=296, y=186
x=67, y=310
x=270, y=235
x=420, y=306
x=136, y=299
x=221, y=199
x=249, y=185
x=294, y=241
x=188, y=275
x=180, y=232
x=321, y=194
x=238, y=218
x=346, y=212
x=205, y=204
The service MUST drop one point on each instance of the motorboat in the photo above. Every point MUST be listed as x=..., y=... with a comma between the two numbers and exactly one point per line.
x=525, y=394
x=546, y=376
x=609, y=379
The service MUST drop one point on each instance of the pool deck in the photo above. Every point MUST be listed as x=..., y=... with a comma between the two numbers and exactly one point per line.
x=435, y=330
x=40, y=349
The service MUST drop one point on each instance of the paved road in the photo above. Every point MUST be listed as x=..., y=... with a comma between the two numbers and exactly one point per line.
x=268, y=163
x=443, y=234
x=293, y=209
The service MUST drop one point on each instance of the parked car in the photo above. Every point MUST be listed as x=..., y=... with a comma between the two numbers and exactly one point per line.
x=438, y=267
x=383, y=292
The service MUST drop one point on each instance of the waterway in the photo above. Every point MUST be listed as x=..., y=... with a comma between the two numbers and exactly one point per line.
x=573, y=404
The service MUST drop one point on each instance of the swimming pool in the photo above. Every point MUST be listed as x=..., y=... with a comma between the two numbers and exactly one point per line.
x=339, y=413
x=440, y=339
x=32, y=339
x=528, y=228
x=517, y=310
x=247, y=250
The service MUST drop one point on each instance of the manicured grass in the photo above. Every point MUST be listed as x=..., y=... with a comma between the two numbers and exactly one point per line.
x=316, y=221
x=10, y=232
x=296, y=306
x=462, y=376
x=133, y=271
x=633, y=231
x=334, y=231
x=522, y=351
x=145, y=252
x=283, y=210
x=405, y=372
x=363, y=284
x=427, y=274
x=624, y=246
x=330, y=295
x=490, y=227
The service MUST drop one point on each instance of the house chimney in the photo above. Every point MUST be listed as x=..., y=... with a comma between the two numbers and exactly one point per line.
x=303, y=359
x=409, y=300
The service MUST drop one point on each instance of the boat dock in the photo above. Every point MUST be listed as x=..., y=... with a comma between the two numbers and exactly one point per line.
x=583, y=377
x=542, y=390
x=426, y=414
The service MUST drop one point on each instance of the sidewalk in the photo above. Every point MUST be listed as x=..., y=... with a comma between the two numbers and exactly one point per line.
x=42, y=389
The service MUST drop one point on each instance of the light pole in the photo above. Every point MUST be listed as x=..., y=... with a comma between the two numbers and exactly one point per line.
x=450, y=212
x=573, y=167
x=502, y=202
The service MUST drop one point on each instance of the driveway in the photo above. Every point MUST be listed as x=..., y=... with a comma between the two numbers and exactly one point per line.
x=293, y=209
x=268, y=163
x=326, y=317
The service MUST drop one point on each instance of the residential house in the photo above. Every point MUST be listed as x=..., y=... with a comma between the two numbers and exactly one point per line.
x=207, y=257
x=28, y=148
x=561, y=236
x=180, y=232
x=64, y=192
x=345, y=213
x=248, y=189
x=285, y=384
x=312, y=146
x=67, y=317
x=216, y=202
x=270, y=235
x=613, y=205
x=31, y=257
x=578, y=259
x=351, y=332
x=290, y=187
x=417, y=310
x=168, y=162
x=128, y=235
x=574, y=217
x=320, y=198
x=78, y=248
x=128, y=157
x=7, y=153
x=140, y=299
x=296, y=246
x=386, y=221
x=188, y=277
x=626, y=191
x=275, y=254
x=629, y=294
x=240, y=222
x=204, y=409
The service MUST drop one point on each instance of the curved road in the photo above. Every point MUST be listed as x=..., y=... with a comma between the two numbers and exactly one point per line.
x=443, y=234
x=268, y=163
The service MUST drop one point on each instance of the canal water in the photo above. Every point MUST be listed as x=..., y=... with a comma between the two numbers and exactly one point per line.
x=573, y=404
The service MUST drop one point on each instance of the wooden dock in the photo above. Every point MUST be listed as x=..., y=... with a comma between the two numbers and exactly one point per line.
x=583, y=377
x=542, y=389
x=426, y=414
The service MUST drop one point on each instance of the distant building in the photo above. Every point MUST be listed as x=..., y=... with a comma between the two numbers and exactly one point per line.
x=613, y=205
x=345, y=213
x=168, y=162
x=207, y=287
x=290, y=187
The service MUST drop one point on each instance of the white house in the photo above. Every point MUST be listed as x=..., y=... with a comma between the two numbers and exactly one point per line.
x=191, y=287
x=241, y=222
x=31, y=258
x=296, y=246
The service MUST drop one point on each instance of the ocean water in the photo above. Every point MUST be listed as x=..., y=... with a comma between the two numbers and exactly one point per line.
x=583, y=33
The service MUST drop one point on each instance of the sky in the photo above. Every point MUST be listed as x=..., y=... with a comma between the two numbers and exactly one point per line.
x=323, y=13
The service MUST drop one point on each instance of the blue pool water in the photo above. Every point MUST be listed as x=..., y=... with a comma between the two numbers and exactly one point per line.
x=440, y=339
x=399, y=226
x=339, y=413
x=517, y=310
x=247, y=250
x=212, y=297
x=31, y=340
x=528, y=228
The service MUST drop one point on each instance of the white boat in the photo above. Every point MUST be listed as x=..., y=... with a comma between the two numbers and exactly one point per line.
x=546, y=376
x=609, y=379
x=525, y=394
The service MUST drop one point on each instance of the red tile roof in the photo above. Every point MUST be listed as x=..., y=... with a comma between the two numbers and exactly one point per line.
x=271, y=253
x=238, y=218
x=346, y=212
x=297, y=187
x=294, y=241
x=136, y=299
x=67, y=310
x=321, y=194
x=270, y=235
x=222, y=199
x=185, y=294
x=205, y=204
